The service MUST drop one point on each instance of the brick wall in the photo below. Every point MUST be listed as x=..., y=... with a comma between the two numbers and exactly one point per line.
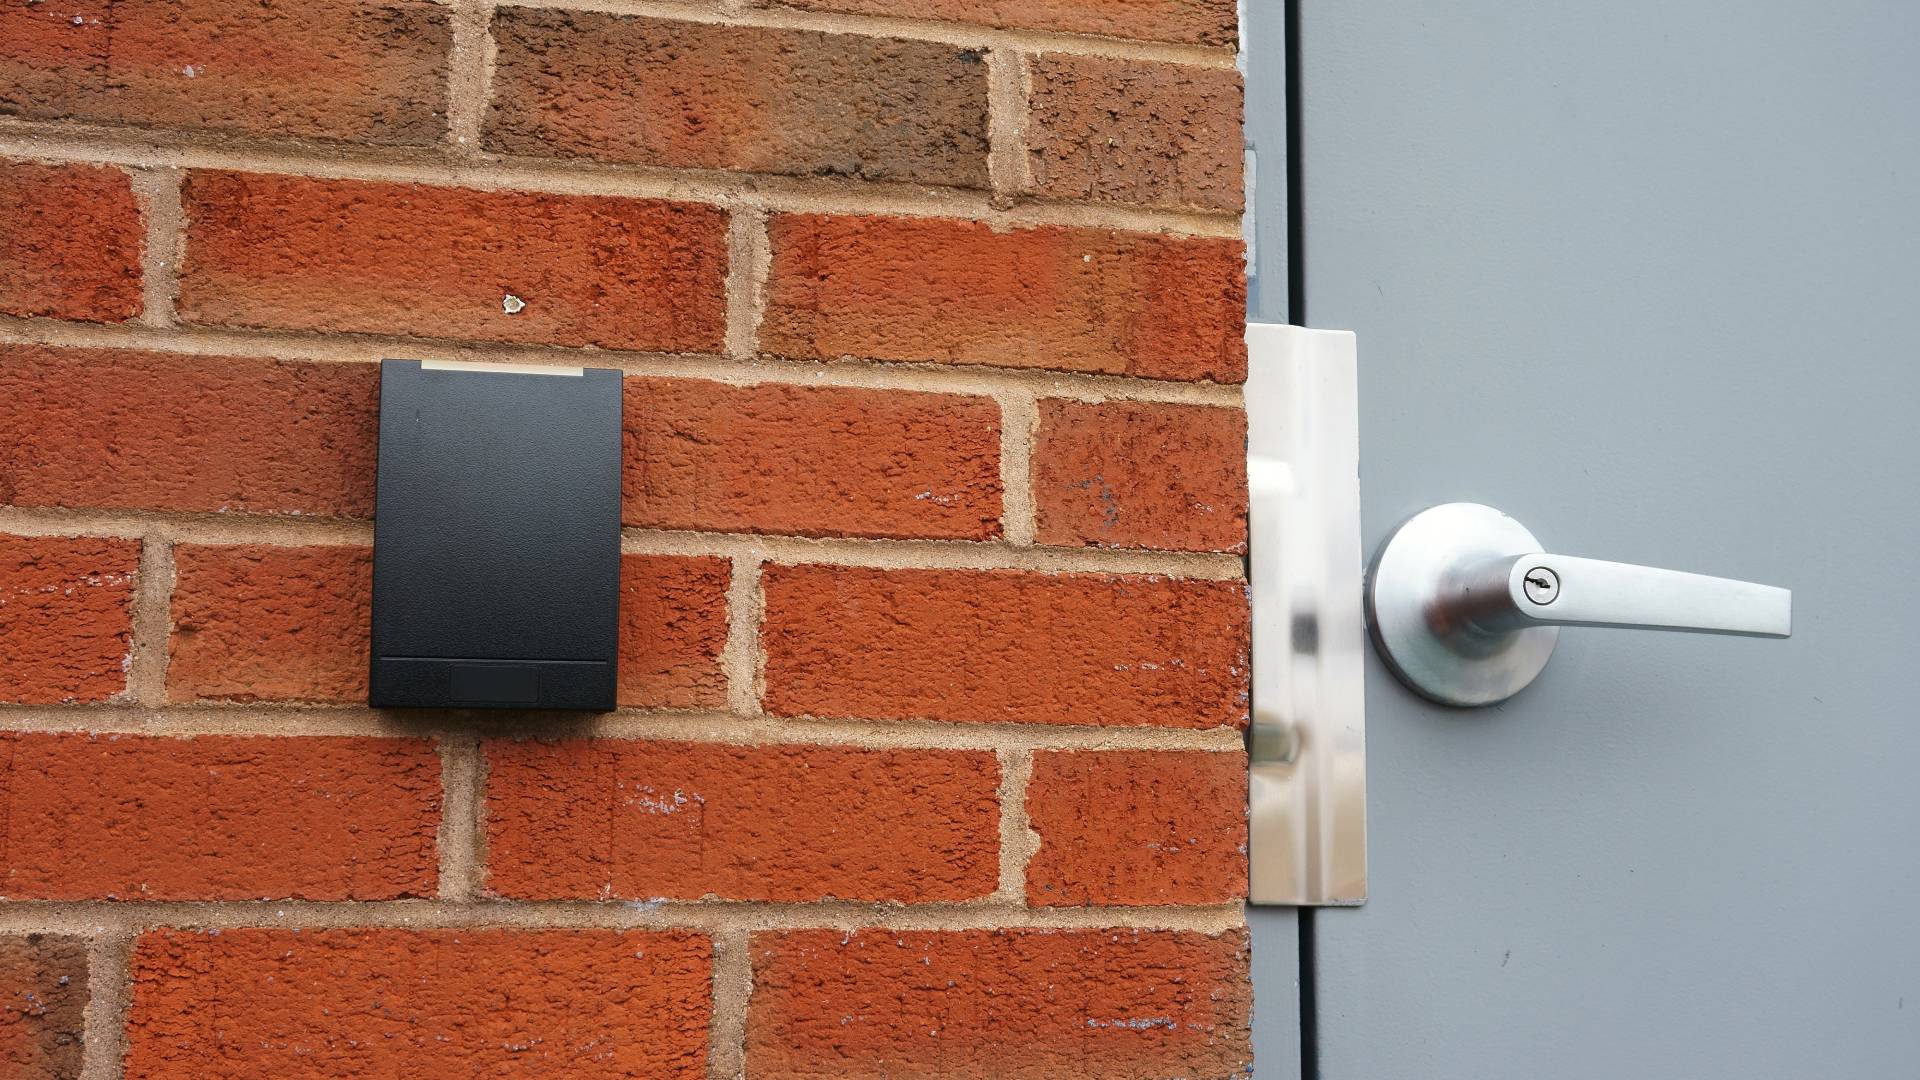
x=934, y=634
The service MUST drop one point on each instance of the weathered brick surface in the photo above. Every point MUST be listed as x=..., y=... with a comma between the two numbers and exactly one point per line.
x=259, y=623
x=419, y=1005
x=149, y=431
x=304, y=254
x=708, y=96
x=1137, y=827
x=97, y=817
x=304, y=69
x=1005, y=645
x=1197, y=22
x=673, y=628
x=677, y=820
x=999, y=1004
x=265, y=623
x=604, y=154
x=43, y=1001
x=958, y=292
x=70, y=239
x=811, y=461
x=1139, y=474
x=1132, y=131
x=66, y=617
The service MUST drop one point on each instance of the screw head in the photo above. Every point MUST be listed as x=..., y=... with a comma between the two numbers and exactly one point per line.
x=1542, y=585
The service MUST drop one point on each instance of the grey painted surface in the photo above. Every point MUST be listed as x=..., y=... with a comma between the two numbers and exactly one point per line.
x=1644, y=276
x=1276, y=992
x=1263, y=41
x=1275, y=931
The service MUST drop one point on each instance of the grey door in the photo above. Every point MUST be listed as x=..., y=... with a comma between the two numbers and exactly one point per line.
x=1646, y=276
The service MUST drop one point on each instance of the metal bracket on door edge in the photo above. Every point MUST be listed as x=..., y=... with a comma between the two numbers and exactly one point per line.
x=1306, y=748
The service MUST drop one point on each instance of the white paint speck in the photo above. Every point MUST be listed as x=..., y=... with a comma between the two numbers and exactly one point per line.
x=1138, y=1023
x=512, y=304
x=662, y=803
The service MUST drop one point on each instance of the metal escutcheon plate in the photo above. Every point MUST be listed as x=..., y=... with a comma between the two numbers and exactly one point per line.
x=1307, y=747
x=1453, y=664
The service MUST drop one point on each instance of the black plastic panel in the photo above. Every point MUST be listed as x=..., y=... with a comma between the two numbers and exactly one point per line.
x=496, y=552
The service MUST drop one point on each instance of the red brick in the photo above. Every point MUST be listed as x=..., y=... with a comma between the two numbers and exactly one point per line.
x=298, y=253
x=304, y=69
x=673, y=628
x=389, y=1004
x=1005, y=646
x=1196, y=22
x=70, y=239
x=1137, y=827
x=264, y=623
x=127, y=817
x=696, y=95
x=1134, y=131
x=811, y=461
x=150, y=431
x=958, y=292
x=66, y=617
x=43, y=1001
x=1135, y=474
x=675, y=820
x=998, y=1005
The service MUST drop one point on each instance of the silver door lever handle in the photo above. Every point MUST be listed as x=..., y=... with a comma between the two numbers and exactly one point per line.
x=1466, y=607
x=1540, y=589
